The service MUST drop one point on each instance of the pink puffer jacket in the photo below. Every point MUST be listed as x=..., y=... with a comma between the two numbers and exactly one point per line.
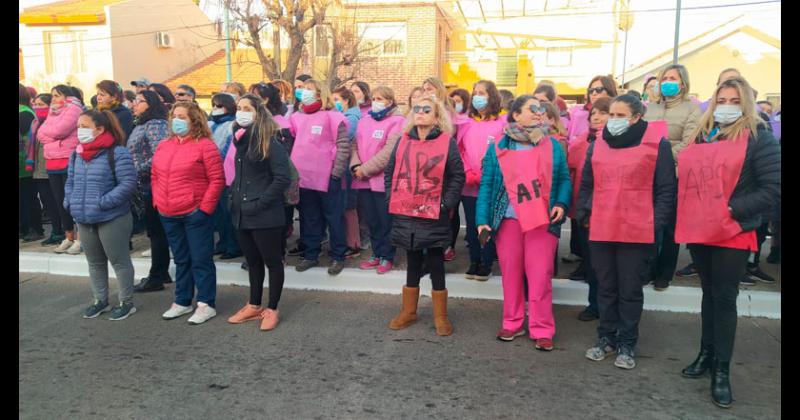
x=59, y=133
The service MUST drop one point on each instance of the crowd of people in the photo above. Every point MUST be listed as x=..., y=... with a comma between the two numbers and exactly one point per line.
x=637, y=175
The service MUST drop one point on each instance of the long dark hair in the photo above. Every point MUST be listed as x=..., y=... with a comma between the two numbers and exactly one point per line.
x=270, y=94
x=364, y=86
x=156, y=110
x=263, y=129
x=464, y=95
x=493, y=108
x=163, y=91
x=109, y=122
x=226, y=101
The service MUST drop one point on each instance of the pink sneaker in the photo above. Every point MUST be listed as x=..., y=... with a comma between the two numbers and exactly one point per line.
x=449, y=254
x=385, y=266
x=370, y=263
x=269, y=319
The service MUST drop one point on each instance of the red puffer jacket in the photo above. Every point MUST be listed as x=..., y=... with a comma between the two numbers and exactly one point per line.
x=186, y=176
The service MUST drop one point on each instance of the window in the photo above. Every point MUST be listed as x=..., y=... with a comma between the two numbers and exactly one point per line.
x=64, y=52
x=559, y=56
x=322, y=42
x=383, y=38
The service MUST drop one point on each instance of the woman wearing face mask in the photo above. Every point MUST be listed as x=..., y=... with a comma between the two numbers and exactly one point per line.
x=257, y=204
x=524, y=196
x=576, y=159
x=321, y=153
x=223, y=114
x=30, y=213
x=672, y=104
x=719, y=221
x=376, y=137
x=41, y=106
x=345, y=102
x=110, y=96
x=362, y=95
x=187, y=181
x=299, y=86
x=627, y=194
x=650, y=90
x=286, y=95
x=420, y=222
x=599, y=87
x=150, y=127
x=100, y=183
x=59, y=136
x=484, y=127
x=461, y=100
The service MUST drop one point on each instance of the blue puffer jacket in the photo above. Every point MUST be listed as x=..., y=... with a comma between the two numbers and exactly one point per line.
x=91, y=195
x=492, y=196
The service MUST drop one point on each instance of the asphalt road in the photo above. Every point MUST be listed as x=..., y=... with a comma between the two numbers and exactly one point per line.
x=332, y=356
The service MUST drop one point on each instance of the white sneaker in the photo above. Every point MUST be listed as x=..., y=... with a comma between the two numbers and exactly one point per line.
x=147, y=253
x=202, y=314
x=176, y=311
x=63, y=247
x=75, y=249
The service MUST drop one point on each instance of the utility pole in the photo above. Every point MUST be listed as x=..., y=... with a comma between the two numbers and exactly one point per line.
x=677, y=33
x=227, y=44
x=615, y=24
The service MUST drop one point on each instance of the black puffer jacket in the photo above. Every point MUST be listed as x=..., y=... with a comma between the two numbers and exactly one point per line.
x=413, y=233
x=757, y=196
x=257, y=192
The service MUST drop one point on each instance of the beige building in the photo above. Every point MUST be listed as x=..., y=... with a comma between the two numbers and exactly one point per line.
x=81, y=42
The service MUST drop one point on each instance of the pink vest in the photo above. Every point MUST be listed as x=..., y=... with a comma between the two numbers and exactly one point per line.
x=229, y=164
x=314, y=150
x=281, y=120
x=578, y=122
x=371, y=137
x=473, y=138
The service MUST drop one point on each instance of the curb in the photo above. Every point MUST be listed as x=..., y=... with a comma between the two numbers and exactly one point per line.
x=750, y=303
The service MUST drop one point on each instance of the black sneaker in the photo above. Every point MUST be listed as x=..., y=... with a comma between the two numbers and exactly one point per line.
x=352, y=253
x=774, y=255
x=473, y=269
x=122, y=311
x=588, y=315
x=687, y=271
x=244, y=266
x=53, y=240
x=756, y=273
x=577, y=275
x=148, y=284
x=32, y=236
x=660, y=286
x=227, y=256
x=336, y=267
x=747, y=281
x=297, y=250
x=96, y=309
x=483, y=273
x=305, y=264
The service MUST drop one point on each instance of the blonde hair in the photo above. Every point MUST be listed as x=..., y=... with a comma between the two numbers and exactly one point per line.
x=748, y=121
x=198, y=125
x=684, y=75
x=441, y=92
x=729, y=69
x=441, y=114
x=552, y=113
x=386, y=92
x=286, y=89
x=322, y=90
x=411, y=94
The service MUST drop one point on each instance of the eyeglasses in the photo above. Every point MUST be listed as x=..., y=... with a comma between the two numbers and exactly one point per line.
x=597, y=90
x=425, y=109
x=218, y=106
x=540, y=109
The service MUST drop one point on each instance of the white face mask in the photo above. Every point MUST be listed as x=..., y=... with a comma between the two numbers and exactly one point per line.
x=459, y=107
x=217, y=111
x=617, y=126
x=244, y=118
x=85, y=135
x=727, y=114
x=308, y=97
x=378, y=107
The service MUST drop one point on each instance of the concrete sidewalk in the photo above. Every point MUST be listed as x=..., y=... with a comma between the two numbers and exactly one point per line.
x=333, y=357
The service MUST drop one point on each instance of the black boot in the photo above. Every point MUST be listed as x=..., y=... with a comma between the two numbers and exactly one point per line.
x=148, y=284
x=720, y=384
x=699, y=367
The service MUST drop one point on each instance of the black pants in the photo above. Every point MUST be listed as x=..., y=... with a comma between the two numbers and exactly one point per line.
x=30, y=212
x=435, y=263
x=49, y=203
x=720, y=270
x=575, y=245
x=455, y=227
x=581, y=234
x=662, y=267
x=57, y=184
x=159, y=246
x=619, y=268
x=761, y=236
x=289, y=213
x=263, y=247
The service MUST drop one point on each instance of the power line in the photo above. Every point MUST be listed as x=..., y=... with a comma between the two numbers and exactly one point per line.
x=116, y=36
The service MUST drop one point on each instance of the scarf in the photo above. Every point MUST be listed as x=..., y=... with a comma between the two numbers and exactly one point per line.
x=378, y=116
x=219, y=119
x=632, y=136
x=110, y=107
x=89, y=150
x=310, y=109
x=522, y=134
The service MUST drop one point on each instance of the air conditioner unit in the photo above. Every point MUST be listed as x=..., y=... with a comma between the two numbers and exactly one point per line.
x=163, y=40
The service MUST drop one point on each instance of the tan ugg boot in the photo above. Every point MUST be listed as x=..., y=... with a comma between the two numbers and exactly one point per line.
x=443, y=325
x=408, y=313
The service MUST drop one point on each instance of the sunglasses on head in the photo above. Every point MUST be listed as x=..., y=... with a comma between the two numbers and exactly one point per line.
x=538, y=109
x=425, y=109
x=597, y=90
x=182, y=94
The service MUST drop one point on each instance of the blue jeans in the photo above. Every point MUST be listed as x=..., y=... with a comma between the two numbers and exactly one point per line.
x=484, y=256
x=223, y=223
x=319, y=209
x=191, y=238
x=373, y=205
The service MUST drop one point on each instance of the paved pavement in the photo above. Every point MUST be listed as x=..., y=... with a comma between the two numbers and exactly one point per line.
x=333, y=357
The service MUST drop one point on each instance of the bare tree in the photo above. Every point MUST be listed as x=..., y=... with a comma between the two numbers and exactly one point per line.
x=347, y=50
x=295, y=17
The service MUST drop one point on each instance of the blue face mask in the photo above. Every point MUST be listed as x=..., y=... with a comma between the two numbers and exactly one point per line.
x=669, y=89
x=298, y=94
x=180, y=127
x=338, y=106
x=479, y=102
